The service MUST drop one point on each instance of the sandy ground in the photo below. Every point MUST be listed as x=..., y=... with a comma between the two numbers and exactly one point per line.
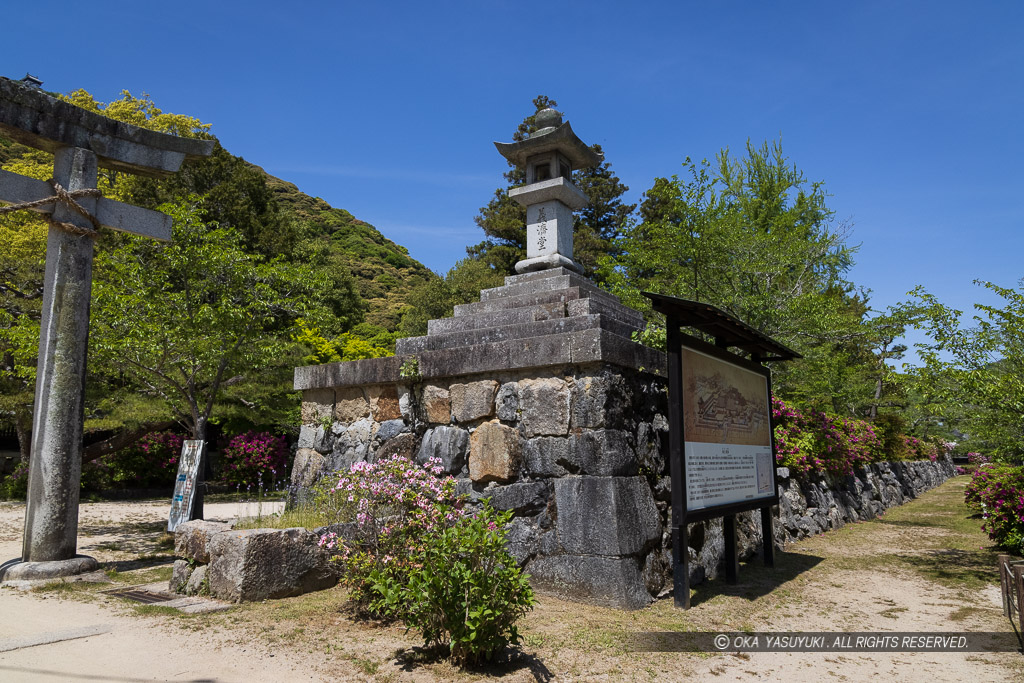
x=128, y=647
x=833, y=584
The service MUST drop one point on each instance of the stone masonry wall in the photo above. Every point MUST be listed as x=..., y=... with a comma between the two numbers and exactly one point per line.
x=579, y=453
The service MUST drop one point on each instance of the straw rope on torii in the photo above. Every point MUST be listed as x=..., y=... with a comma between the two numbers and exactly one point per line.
x=68, y=199
x=80, y=141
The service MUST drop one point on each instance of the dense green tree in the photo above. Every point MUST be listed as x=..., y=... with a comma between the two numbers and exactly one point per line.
x=596, y=227
x=972, y=378
x=751, y=236
x=187, y=318
x=356, y=268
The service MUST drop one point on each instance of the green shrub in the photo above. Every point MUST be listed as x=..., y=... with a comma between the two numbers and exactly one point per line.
x=417, y=555
x=15, y=485
x=462, y=589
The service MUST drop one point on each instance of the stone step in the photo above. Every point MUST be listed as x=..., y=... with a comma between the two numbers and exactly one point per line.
x=526, y=314
x=609, y=309
x=538, y=275
x=472, y=337
x=585, y=346
x=509, y=303
x=529, y=287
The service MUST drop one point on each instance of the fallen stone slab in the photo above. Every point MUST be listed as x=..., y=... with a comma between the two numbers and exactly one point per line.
x=259, y=564
x=192, y=539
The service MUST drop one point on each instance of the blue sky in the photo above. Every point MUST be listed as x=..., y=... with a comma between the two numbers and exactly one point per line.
x=910, y=112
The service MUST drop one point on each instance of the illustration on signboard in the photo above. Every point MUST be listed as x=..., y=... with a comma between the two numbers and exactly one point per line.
x=728, y=405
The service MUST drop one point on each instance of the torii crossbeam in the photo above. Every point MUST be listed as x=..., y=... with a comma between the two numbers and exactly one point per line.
x=80, y=142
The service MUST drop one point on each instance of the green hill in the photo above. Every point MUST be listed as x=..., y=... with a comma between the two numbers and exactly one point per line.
x=384, y=272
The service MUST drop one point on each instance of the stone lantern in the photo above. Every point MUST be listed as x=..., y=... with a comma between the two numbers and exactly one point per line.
x=549, y=155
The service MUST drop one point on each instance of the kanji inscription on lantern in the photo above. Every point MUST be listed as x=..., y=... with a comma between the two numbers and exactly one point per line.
x=549, y=156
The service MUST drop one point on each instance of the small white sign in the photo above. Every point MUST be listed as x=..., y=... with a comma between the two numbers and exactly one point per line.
x=185, y=485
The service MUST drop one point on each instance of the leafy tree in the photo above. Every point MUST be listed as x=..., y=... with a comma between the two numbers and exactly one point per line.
x=973, y=378
x=596, y=226
x=752, y=237
x=187, y=318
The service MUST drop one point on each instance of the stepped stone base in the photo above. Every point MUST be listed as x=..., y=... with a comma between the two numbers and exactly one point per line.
x=536, y=398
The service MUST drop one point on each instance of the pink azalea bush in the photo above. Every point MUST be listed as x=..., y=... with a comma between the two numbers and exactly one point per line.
x=254, y=459
x=416, y=553
x=151, y=462
x=996, y=491
x=818, y=442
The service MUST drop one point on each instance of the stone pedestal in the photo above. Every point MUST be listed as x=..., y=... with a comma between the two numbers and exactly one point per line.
x=536, y=398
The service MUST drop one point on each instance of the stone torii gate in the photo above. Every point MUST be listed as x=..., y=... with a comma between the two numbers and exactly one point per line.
x=80, y=142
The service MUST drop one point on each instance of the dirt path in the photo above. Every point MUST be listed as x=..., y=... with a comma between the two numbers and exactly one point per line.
x=922, y=567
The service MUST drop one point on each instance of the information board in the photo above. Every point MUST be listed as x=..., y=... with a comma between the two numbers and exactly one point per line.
x=727, y=437
x=185, y=484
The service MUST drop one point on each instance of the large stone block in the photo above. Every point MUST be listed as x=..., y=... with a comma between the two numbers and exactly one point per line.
x=495, y=453
x=316, y=437
x=447, y=443
x=317, y=405
x=549, y=456
x=390, y=429
x=614, y=581
x=180, y=574
x=351, y=405
x=473, y=401
x=192, y=539
x=195, y=584
x=403, y=445
x=307, y=467
x=523, y=497
x=437, y=404
x=351, y=443
x=605, y=452
x=260, y=564
x=384, y=403
x=606, y=515
x=544, y=406
x=599, y=401
x=521, y=541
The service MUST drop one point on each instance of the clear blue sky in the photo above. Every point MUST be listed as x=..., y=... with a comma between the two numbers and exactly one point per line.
x=910, y=112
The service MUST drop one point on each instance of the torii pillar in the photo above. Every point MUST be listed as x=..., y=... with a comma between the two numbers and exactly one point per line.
x=80, y=142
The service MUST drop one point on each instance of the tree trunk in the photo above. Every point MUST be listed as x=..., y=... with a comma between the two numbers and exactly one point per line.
x=23, y=429
x=199, y=434
x=878, y=397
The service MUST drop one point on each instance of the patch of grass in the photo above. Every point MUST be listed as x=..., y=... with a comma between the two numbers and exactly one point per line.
x=892, y=612
x=155, y=610
x=303, y=517
x=964, y=613
x=165, y=542
x=110, y=545
x=59, y=586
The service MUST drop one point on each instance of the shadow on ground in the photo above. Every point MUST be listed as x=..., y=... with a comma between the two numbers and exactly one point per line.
x=756, y=580
x=140, y=563
x=509, y=661
x=951, y=565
